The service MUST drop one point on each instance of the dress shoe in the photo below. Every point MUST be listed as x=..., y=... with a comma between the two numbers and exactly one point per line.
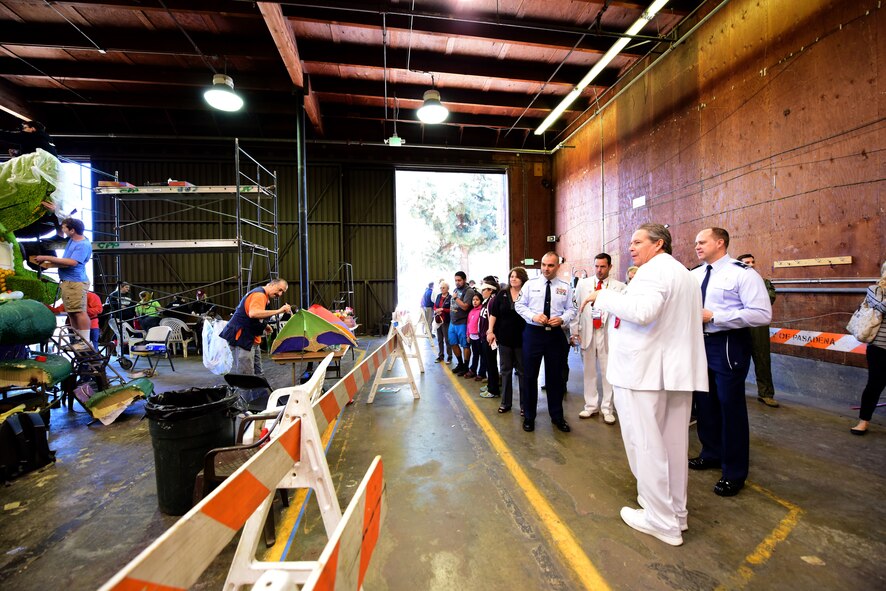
x=608, y=418
x=563, y=426
x=460, y=370
x=586, y=414
x=770, y=402
x=528, y=426
x=684, y=524
x=636, y=518
x=701, y=463
x=728, y=488
x=468, y=375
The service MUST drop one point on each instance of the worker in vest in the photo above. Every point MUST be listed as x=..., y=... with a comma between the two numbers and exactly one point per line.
x=246, y=327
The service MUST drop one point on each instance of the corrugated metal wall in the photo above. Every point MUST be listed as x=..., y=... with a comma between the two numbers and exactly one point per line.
x=351, y=220
x=767, y=123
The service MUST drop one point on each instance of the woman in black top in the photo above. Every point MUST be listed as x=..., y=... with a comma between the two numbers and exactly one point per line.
x=506, y=331
x=441, y=314
x=876, y=354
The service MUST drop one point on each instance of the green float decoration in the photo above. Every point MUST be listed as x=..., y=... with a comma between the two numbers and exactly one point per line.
x=25, y=322
x=25, y=182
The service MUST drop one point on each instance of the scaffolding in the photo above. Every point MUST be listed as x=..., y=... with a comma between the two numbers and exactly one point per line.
x=255, y=222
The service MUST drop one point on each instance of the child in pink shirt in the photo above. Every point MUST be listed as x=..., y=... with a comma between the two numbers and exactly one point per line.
x=474, y=335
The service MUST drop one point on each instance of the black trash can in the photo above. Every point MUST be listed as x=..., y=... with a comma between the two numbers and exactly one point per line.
x=184, y=425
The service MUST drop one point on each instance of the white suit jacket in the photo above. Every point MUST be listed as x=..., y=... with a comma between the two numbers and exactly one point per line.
x=583, y=324
x=659, y=343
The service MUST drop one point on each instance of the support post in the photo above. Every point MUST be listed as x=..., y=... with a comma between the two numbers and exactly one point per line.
x=301, y=155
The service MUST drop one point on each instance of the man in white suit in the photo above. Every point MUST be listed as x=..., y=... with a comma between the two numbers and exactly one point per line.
x=589, y=330
x=656, y=360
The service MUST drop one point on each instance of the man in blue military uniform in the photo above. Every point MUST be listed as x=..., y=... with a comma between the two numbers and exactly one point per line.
x=546, y=305
x=734, y=298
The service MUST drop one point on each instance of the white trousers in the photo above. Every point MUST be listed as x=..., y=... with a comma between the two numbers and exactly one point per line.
x=593, y=354
x=655, y=430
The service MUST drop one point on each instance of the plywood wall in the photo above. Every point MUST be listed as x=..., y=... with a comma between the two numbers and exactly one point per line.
x=767, y=122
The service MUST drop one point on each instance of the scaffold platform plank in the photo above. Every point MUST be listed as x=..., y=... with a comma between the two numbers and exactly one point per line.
x=165, y=246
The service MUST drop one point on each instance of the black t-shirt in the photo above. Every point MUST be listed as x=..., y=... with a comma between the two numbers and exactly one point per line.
x=508, y=324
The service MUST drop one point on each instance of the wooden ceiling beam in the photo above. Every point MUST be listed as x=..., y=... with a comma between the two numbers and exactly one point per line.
x=253, y=44
x=550, y=36
x=13, y=102
x=284, y=39
x=173, y=99
x=407, y=116
x=501, y=27
x=451, y=95
x=82, y=71
x=344, y=55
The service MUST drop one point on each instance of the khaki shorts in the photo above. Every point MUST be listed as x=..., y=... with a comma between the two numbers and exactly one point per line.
x=74, y=296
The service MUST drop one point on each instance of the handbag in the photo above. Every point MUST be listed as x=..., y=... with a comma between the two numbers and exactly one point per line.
x=865, y=322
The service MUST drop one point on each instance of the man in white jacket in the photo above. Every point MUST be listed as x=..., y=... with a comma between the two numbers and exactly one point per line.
x=656, y=360
x=589, y=330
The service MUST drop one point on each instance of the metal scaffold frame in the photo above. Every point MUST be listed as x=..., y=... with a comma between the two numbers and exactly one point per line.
x=255, y=208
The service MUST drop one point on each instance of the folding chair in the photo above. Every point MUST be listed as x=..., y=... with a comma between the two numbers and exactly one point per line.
x=155, y=345
x=179, y=335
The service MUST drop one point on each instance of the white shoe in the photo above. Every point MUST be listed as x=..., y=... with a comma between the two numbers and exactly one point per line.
x=684, y=523
x=586, y=414
x=608, y=418
x=636, y=518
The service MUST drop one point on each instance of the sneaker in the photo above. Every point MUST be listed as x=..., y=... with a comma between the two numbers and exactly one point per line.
x=608, y=418
x=636, y=518
x=484, y=388
x=586, y=414
x=438, y=359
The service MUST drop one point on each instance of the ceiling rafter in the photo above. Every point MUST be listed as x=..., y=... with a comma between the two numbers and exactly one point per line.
x=491, y=66
x=286, y=45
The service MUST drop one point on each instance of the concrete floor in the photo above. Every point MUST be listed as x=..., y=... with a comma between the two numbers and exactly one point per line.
x=476, y=503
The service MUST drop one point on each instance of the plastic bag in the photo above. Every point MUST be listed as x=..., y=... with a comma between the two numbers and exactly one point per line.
x=217, y=356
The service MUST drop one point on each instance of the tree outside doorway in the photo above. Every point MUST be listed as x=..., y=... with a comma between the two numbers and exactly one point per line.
x=448, y=222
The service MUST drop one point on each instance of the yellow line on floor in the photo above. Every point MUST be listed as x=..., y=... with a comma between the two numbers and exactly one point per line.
x=763, y=552
x=290, y=514
x=559, y=533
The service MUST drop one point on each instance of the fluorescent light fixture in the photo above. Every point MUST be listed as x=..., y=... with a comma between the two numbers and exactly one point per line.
x=222, y=96
x=432, y=111
x=616, y=48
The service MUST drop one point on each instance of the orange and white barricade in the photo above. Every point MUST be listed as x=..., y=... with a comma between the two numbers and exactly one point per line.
x=294, y=458
x=423, y=329
x=396, y=341
x=402, y=324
